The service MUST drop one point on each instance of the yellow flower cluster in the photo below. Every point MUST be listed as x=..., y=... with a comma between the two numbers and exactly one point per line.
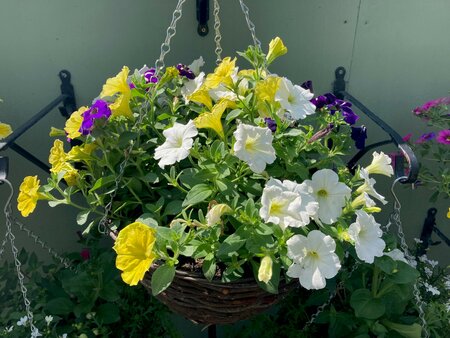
x=28, y=195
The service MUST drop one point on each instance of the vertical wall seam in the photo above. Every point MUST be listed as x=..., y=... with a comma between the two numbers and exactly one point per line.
x=354, y=42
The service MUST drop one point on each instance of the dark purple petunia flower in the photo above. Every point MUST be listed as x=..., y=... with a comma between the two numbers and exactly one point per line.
x=98, y=110
x=426, y=137
x=359, y=135
x=185, y=71
x=307, y=85
x=131, y=85
x=150, y=77
x=333, y=104
x=271, y=124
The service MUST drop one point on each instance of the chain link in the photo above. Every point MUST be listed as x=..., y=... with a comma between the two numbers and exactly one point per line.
x=250, y=24
x=217, y=36
x=396, y=219
x=103, y=225
x=171, y=31
x=17, y=263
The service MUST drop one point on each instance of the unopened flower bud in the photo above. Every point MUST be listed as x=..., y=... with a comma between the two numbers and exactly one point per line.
x=265, y=269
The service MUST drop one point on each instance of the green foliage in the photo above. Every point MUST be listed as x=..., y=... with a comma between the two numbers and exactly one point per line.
x=89, y=299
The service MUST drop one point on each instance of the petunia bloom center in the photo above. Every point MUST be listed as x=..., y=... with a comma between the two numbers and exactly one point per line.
x=322, y=193
x=250, y=143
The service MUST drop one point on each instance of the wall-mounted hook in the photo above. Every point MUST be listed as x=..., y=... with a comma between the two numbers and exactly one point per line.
x=202, y=17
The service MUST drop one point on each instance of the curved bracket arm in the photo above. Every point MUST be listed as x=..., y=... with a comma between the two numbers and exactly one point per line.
x=405, y=149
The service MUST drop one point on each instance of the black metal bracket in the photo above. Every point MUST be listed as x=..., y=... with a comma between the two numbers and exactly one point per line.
x=67, y=98
x=202, y=17
x=429, y=226
x=413, y=164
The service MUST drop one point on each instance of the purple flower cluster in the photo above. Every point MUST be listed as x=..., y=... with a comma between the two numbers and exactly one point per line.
x=185, y=71
x=98, y=110
x=334, y=104
x=426, y=137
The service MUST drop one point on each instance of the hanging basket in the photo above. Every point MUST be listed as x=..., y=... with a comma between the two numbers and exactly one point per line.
x=213, y=302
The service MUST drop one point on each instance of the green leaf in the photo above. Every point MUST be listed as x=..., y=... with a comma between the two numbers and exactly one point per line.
x=150, y=178
x=197, y=194
x=101, y=182
x=409, y=331
x=230, y=245
x=109, y=291
x=125, y=138
x=365, y=305
x=386, y=264
x=59, y=306
x=233, y=114
x=173, y=207
x=53, y=204
x=209, y=266
x=82, y=217
x=161, y=278
x=107, y=313
x=404, y=274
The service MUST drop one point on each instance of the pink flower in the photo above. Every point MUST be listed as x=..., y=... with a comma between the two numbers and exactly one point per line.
x=431, y=104
x=407, y=137
x=443, y=136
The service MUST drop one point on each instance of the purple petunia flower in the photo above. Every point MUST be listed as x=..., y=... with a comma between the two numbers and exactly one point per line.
x=359, y=135
x=271, y=124
x=149, y=76
x=185, y=71
x=426, y=137
x=307, y=85
x=98, y=110
x=443, y=136
x=333, y=104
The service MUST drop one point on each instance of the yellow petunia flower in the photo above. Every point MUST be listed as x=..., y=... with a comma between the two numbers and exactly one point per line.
x=169, y=74
x=71, y=176
x=265, y=269
x=73, y=124
x=28, y=195
x=57, y=157
x=265, y=92
x=448, y=213
x=201, y=96
x=134, y=248
x=222, y=74
x=276, y=49
x=213, y=120
x=118, y=85
x=5, y=130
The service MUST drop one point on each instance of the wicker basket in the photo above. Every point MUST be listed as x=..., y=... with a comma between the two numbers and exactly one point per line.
x=205, y=302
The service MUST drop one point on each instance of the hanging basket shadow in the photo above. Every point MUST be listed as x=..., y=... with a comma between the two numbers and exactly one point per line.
x=213, y=302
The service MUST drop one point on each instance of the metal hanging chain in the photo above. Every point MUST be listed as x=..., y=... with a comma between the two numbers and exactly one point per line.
x=396, y=219
x=171, y=31
x=15, y=251
x=103, y=225
x=217, y=36
x=250, y=24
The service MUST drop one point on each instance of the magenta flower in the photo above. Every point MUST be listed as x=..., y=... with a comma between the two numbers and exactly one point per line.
x=407, y=137
x=431, y=104
x=444, y=136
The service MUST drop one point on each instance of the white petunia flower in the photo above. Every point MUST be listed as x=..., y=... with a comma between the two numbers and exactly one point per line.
x=48, y=319
x=196, y=65
x=330, y=193
x=287, y=203
x=254, y=146
x=366, y=233
x=363, y=200
x=368, y=186
x=22, y=321
x=179, y=140
x=265, y=269
x=191, y=86
x=295, y=99
x=381, y=164
x=314, y=259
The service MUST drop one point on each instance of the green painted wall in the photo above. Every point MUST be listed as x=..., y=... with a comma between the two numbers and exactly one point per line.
x=397, y=54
